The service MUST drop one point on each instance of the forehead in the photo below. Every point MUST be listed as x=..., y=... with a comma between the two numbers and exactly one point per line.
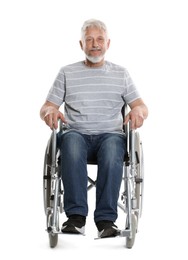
x=91, y=31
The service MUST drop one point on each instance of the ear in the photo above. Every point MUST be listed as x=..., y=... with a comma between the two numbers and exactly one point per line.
x=108, y=43
x=81, y=44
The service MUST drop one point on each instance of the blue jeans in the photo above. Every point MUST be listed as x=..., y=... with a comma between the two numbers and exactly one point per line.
x=108, y=150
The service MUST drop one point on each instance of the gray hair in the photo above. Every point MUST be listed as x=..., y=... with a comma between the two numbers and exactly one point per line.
x=93, y=23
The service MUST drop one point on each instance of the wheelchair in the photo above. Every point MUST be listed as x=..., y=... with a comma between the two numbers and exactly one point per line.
x=131, y=193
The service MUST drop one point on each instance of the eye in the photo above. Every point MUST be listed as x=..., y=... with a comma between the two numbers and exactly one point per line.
x=89, y=39
x=100, y=39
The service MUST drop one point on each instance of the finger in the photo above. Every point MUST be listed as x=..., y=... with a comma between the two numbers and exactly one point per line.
x=61, y=116
x=133, y=125
x=47, y=120
x=50, y=121
x=133, y=122
x=126, y=120
x=55, y=121
x=139, y=121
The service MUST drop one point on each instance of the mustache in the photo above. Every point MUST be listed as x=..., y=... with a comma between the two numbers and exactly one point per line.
x=95, y=49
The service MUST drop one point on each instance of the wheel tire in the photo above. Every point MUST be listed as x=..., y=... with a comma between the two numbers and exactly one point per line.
x=53, y=237
x=53, y=240
x=140, y=175
x=130, y=241
x=47, y=177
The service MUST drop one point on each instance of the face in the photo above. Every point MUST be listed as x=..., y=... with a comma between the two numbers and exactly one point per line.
x=95, y=45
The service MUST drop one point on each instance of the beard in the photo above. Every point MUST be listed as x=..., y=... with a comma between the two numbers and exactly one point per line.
x=95, y=59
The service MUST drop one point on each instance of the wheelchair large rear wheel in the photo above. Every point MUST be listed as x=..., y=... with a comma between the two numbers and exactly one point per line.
x=140, y=174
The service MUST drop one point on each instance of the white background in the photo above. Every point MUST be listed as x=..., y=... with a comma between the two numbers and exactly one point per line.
x=149, y=38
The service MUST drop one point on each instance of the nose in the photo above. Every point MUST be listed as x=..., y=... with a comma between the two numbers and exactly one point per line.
x=95, y=43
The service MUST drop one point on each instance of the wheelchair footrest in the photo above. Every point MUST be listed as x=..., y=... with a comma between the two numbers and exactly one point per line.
x=122, y=233
x=50, y=230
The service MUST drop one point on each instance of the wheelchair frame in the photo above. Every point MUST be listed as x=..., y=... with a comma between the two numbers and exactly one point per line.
x=130, y=200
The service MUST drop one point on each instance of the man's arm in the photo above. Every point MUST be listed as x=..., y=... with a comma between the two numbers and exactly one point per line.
x=138, y=113
x=50, y=113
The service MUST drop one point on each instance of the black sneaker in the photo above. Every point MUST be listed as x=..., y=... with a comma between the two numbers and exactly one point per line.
x=107, y=228
x=74, y=225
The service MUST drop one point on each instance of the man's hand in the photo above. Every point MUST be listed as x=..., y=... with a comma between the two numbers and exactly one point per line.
x=137, y=115
x=50, y=114
x=51, y=118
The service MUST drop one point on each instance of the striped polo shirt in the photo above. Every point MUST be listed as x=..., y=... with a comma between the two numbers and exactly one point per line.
x=93, y=96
